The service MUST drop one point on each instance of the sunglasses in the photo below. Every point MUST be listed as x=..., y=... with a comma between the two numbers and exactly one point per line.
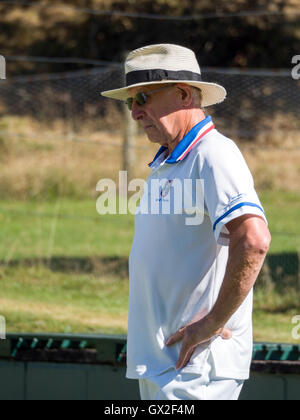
x=142, y=98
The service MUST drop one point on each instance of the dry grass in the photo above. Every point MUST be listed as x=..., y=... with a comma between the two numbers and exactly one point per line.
x=274, y=169
x=281, y=130
x=66, y=314
x=38, y=298
x=43, y=162
x=274, y=158
x=59, y=318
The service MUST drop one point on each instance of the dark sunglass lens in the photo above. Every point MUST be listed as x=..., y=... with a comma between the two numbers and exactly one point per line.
x=141, y=98
x=129, y=103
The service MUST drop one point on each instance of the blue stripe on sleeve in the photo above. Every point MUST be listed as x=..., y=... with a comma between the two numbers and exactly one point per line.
x=235, y=208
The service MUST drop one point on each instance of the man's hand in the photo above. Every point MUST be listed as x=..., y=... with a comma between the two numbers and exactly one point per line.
x=249, y=243
x=194, y=334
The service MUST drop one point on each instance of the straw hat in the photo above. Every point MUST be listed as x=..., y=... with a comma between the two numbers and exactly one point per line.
x=166, y=63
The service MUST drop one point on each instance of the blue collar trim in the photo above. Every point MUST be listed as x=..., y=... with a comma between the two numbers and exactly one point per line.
x=184, y=144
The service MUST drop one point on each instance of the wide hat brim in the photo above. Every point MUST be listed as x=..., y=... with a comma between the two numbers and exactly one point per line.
x=212, y=93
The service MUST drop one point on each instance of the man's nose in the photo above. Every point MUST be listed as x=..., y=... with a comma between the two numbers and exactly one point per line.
x=137, y=112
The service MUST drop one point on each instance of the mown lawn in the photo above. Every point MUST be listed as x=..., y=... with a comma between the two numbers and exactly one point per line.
x=73, y=228
x=283, y=210
x=60, y=268
x=38, y=299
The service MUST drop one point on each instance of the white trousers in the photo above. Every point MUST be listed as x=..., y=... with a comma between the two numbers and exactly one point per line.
x=173, y=385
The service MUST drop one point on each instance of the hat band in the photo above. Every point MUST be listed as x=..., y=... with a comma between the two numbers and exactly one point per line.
x=157, y=75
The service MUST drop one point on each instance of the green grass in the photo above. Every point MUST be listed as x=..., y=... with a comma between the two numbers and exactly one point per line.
x=274, y=328
x=73, y=228
x=273, y=313
x=38, y=299
x=57, y=273
x=66, y=228
x=283, y=210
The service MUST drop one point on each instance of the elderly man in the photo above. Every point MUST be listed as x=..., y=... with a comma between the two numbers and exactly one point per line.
x=191, y=285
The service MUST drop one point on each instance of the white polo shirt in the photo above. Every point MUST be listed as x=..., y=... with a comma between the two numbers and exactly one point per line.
x=177, y=262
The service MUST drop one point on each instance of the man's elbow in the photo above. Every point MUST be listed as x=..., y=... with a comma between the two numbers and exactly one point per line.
x=259, y=243
x=264, y=243
x=250, y=234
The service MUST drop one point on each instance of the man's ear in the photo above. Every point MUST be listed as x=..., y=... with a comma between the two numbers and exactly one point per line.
x=186, y=95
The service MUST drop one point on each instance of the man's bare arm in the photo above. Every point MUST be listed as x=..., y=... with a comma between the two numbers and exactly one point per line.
x=249, y=243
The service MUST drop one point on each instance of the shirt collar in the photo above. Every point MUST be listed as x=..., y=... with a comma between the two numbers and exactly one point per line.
x=187, y=143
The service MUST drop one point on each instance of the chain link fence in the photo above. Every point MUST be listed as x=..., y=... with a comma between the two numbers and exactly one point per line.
x=258, y=101
x=262, y=111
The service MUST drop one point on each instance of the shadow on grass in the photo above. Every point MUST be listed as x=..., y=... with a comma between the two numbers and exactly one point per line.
x=100, y=266
x=280, y=273
x=277, y=289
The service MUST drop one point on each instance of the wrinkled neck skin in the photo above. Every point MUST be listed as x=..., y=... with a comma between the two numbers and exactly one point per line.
x=185, y=120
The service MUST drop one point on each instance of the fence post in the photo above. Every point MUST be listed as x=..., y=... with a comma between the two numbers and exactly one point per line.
x=130, y=132
x=129, y=155
x=2, y=67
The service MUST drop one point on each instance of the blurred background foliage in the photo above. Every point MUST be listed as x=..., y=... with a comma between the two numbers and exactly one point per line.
x=72, y=30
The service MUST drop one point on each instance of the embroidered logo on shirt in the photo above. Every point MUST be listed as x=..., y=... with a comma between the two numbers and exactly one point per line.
x=165, y=190
x=235, y=200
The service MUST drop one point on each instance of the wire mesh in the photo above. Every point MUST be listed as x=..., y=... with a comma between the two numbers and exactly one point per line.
x=257, y=102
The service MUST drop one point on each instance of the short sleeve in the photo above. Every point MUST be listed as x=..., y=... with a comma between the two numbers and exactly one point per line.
x=228, y=186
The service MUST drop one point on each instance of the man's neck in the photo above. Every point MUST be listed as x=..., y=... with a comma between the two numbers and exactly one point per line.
x=192, y=119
